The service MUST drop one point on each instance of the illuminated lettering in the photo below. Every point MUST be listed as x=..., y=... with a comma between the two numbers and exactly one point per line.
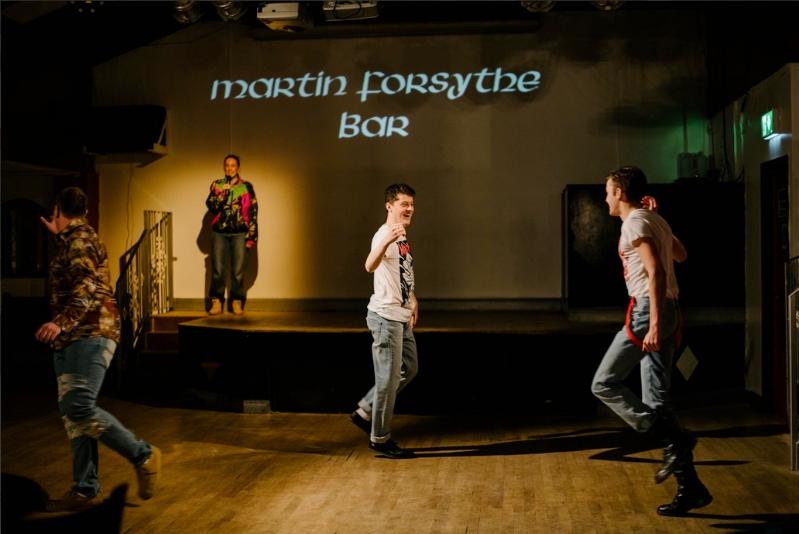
x=284, y=91
x=352, y=126
x=479, y=83
x=416, y=87
x=498, y=76
x=438, y=82
x=397, y=126
x=462, y=83
x=455, y=84
x=365, y=91
x=526, y=86
x=305, y=86
x=342, y=87
x=228, y=85
x=399, y=78
x=267, y=82
x=303, y=81
x=349, y=125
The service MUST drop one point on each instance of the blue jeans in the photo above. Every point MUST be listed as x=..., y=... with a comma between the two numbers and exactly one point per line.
x=80, y=368
x=228, y=249
x=395, y=362
x=623, y=355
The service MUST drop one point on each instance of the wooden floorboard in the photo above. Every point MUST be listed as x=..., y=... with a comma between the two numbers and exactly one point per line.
x=309, y=473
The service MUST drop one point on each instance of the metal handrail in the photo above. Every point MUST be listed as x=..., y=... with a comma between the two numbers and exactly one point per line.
x=144, y=286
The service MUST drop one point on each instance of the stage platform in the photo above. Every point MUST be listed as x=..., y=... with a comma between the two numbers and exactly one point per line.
x=438, y=322
x=469, y=361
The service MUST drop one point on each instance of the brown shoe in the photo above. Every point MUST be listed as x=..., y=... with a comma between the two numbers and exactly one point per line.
x=73, y=501
x=149, y=474
x=237, y=310
x=216, y=307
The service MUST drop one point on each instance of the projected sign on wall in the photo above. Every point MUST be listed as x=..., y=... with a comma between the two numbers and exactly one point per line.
x=374, y=84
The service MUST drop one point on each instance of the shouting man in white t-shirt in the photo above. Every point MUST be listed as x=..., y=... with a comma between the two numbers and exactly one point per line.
x=650, y=336
x=391, y=316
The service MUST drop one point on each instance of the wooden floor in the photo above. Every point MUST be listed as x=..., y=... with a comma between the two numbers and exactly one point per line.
x=302, y=473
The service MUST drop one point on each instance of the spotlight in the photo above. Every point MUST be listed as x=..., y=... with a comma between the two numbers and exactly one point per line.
x=607, y=5
x=349, y=10
x=290, y=17
x=538, y=7
x=229, y=11
x=86, y=6
x=187, y=11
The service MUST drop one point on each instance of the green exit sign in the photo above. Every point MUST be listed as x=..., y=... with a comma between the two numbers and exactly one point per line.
x=767, y=124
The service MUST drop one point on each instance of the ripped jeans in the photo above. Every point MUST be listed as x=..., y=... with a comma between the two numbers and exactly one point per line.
x=80, y=369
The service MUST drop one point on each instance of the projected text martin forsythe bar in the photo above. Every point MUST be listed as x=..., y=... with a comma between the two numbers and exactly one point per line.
x=453, y=85
x=375, y=83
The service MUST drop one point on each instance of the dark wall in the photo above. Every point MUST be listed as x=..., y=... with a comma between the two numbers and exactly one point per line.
x=707, y=217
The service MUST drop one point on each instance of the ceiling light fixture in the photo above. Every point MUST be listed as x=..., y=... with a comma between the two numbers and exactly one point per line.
x=542, y=6
x=230, y=11
x=607, y=5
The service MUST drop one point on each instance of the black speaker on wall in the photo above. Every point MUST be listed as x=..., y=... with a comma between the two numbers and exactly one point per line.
x=707, y=216
x=118, y=130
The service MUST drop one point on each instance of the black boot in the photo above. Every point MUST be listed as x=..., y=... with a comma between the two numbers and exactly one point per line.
x=691, y=493
x=677, y=444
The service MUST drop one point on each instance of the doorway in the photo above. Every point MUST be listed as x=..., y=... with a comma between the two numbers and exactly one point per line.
x=774, y=216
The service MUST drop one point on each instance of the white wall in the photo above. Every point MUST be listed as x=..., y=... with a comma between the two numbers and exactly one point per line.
x=488, y=169
x=746, y=151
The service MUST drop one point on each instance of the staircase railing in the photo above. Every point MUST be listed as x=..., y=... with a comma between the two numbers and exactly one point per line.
x=145, y=284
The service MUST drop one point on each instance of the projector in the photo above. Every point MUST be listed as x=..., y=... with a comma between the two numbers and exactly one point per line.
x=284, y=16
x=349, y=10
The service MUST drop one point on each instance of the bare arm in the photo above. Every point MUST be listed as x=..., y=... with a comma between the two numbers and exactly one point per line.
x=376, y=255
x=648, y=253
x=414, y=310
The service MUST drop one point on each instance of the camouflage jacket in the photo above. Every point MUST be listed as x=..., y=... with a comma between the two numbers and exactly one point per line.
x=81, y=297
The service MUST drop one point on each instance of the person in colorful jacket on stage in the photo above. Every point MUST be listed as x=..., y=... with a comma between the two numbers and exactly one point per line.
x=232, y=202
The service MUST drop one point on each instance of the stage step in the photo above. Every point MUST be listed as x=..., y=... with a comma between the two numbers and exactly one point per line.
x=153, y=375
x=168, y=322
x=162, y=341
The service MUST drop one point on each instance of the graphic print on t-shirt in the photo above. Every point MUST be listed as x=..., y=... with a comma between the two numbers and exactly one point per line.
x=406, y=269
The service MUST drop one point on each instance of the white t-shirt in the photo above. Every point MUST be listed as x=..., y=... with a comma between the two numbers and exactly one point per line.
x=393, y=279
x=646, y=223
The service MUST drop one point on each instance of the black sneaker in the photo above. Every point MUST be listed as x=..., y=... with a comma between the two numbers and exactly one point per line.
x=72, y=501
x=687, y=498
x=361, y=423
x=390, y=449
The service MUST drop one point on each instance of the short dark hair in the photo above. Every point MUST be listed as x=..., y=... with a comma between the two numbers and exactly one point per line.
x=631, y=180
x=234, y=156
x=72, y=202
x=394, y=190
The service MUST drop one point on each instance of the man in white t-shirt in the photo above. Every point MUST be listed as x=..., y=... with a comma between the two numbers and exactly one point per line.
x=391, y=316
x=650, y=336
